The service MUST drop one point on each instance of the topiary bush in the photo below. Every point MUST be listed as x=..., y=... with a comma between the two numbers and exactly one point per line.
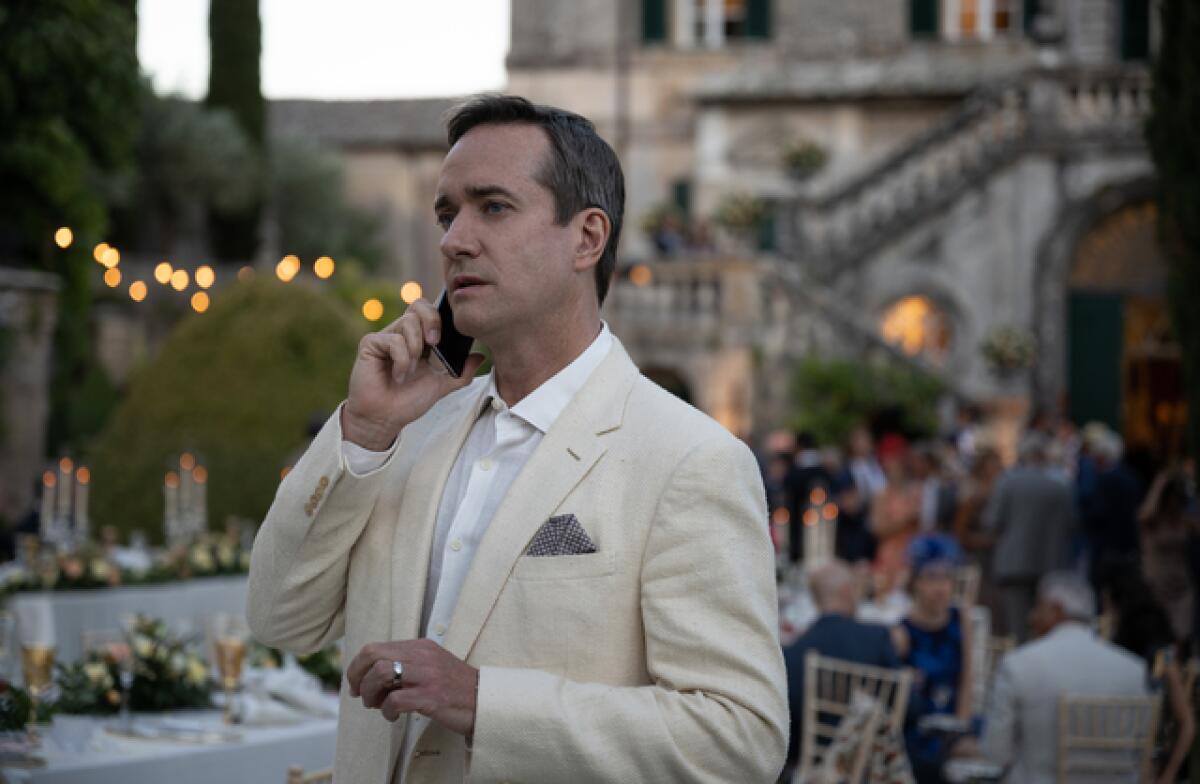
x=237, y=386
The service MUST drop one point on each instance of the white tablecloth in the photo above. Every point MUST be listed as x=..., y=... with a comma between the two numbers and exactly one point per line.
x=60, y=617
x=262, y=756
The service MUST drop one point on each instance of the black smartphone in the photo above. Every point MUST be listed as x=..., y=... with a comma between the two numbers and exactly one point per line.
x=454, y=347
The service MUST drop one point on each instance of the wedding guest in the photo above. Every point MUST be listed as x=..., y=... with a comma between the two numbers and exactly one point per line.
x=1142, y=627
x=1031, y=515
x=1164, y=523
x=835, y=633
x=894, y=513
x=935, y=641
x=860, y=480
x=1021, y=727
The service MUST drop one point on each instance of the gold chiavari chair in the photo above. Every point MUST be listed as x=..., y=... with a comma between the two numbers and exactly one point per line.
x=1106, y=737
x=296, y=775
x=830, y=687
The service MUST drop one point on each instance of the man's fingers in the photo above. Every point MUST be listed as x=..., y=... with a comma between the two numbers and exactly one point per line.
x=429, y=318
x=361, y=664
x=376, y=683
x=410, y=330
x=401, y=701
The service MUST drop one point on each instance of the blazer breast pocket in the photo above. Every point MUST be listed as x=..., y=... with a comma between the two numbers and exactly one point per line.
x=565, y=567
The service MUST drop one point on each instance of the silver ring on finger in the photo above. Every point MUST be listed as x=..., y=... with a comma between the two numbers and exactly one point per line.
x=397, y=675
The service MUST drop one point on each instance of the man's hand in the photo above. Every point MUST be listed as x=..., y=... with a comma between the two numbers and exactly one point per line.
x=393, y=382
x=436, y=683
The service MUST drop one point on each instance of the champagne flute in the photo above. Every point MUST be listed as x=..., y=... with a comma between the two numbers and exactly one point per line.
x=230, y=637
x=37, y=665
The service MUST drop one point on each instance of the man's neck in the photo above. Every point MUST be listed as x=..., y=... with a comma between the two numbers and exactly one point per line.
x=524, y=365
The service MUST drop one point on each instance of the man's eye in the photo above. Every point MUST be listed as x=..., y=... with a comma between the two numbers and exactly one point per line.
x=494, y=207
x=445, y=220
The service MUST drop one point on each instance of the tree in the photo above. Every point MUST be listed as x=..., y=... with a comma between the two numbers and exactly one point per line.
x=830, y=397
x=69, y=114
x=1171, y=134
x=314, y=217
x=235, y=47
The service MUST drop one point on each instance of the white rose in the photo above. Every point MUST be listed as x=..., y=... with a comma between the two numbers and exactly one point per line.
x=142, y=646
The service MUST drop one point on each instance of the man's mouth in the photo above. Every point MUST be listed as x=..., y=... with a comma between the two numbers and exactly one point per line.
x=465, y=282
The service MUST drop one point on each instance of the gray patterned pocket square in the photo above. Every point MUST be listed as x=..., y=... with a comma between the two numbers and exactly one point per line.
x=561, y=535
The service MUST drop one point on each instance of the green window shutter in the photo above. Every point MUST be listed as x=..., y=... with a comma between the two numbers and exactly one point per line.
x=758, y=19
x=1135, y=30
x=766, y=232
x=923, y=18
x=681, y=194
x=1030, y=13
x=654, y=21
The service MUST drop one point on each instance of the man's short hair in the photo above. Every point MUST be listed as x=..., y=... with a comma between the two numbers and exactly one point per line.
x=1071, y=593
x=582, y=170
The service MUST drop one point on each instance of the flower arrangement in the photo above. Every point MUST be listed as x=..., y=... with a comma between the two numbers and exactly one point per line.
x=90, y=567
x=1007, y=349
x=325, y=664
x=740, y=212
x=804, y=158
x=166, y=676
x=15, y=705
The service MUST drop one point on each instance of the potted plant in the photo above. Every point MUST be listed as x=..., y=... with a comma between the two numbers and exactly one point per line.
x=1008, y=349
x=803, y=158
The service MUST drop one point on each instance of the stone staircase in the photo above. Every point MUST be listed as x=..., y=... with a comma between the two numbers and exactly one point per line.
x=1064, y=111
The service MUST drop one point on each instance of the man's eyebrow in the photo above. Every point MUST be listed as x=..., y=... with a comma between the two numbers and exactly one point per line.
x=475, y=192
x=483, y=191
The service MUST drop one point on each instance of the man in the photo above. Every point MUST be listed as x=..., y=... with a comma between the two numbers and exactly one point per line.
x=1021, y=730
x=938, y=497
x=806, y=474
x=584, y=558
x=835, y=633
x=1110, y=514
x=1031, y=515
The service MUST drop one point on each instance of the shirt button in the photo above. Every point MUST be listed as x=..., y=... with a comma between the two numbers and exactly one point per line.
x=497, y=405
x=440, y=629
x=486, y=464
x=456, y=545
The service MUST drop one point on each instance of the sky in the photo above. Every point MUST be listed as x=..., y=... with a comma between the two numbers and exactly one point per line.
x=344, y=49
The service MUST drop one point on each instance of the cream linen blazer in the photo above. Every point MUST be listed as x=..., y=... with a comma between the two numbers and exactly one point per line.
x=655, y=659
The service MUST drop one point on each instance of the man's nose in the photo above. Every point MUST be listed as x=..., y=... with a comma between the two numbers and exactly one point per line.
x=460, y=238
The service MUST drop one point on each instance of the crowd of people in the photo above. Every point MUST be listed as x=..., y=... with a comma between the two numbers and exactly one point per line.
x=1089, y=558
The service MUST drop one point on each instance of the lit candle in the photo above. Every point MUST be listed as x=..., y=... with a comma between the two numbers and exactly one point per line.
x=82, y=477
x=187, y=507
x=171, y=506
x=812, y=533
x=200, y=475
x=49, y=480
x=65, y=483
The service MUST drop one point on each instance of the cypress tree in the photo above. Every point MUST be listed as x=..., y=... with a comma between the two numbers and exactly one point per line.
x=235, y=47
x=1171, y=134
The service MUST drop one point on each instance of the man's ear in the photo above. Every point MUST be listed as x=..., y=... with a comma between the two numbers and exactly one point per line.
x=593, y=233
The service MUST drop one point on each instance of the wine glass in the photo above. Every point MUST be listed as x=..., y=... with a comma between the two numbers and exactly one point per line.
x=37, y=665
x=230, y=636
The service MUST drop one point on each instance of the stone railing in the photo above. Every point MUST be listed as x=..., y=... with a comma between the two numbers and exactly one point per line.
x=694, y=301
x=1040, y=109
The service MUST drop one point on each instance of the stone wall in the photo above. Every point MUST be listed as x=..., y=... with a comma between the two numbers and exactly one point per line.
x=28, y=314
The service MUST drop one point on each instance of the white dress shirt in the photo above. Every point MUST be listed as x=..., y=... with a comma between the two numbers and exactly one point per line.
x=496, y=449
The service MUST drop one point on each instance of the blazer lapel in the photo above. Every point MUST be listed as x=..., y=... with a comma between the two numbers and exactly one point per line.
x=568, y=451
x=417, y=518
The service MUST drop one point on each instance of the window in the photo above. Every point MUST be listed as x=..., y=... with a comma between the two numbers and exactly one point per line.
x=711, y=23
x=654, y=21
x=969, y=20
x=918, y=327
x=1135, y=29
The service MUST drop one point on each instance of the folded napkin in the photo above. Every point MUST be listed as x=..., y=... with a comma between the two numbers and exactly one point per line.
x=293, y=687
x=261, y=710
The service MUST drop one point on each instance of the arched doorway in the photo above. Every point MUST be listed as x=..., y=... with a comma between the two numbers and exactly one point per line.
x=1124, y=367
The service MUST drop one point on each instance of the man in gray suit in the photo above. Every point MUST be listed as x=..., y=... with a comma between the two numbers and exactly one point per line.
x=1032, y=514
x=1021, y=730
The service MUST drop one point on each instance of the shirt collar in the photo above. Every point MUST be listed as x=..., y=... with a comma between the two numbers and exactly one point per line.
x=542, y=407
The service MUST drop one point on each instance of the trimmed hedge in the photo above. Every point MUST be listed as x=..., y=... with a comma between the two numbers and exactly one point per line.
x=237, y=386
